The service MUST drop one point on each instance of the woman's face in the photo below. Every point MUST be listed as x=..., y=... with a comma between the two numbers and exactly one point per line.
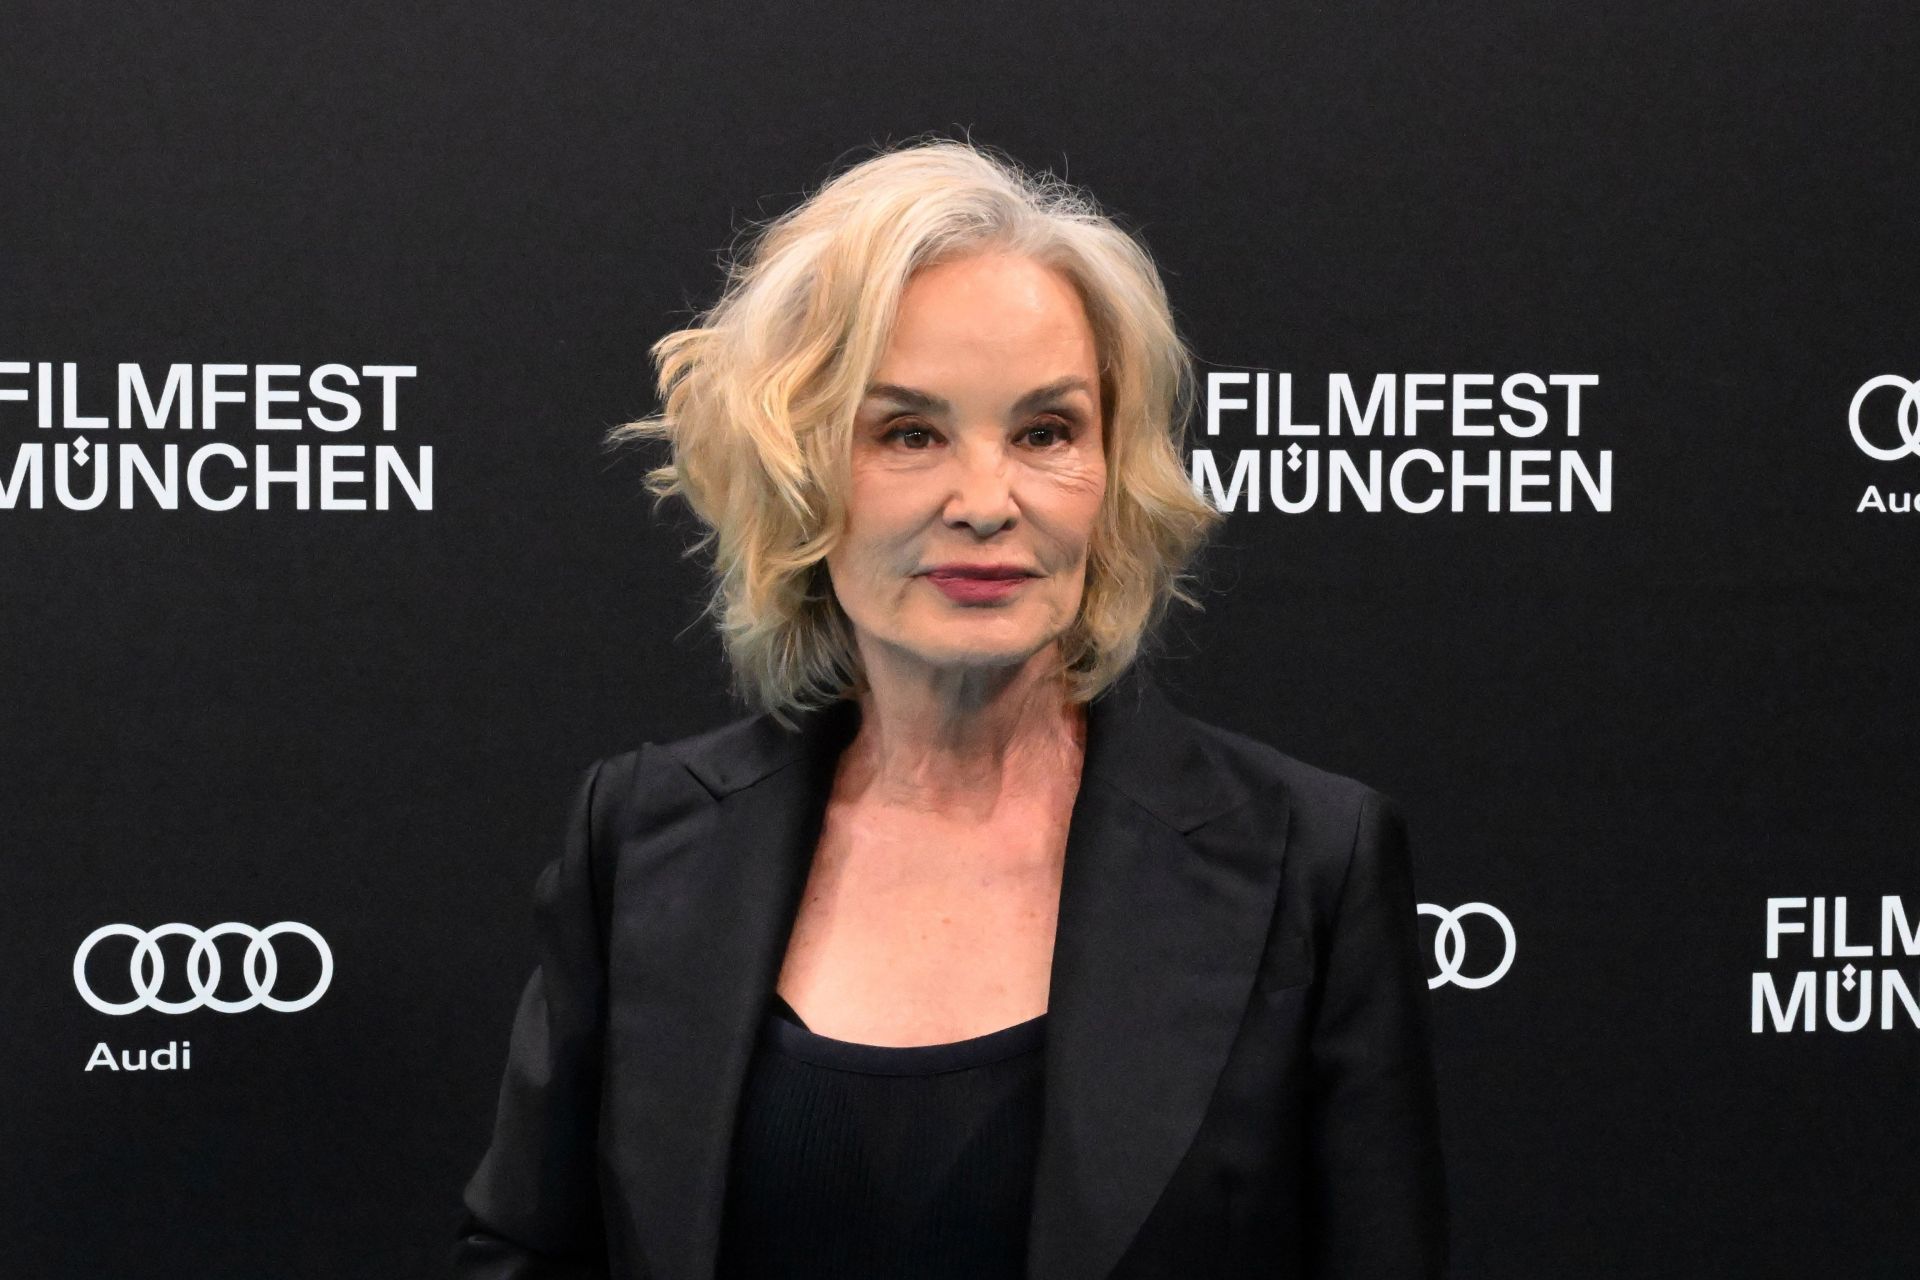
x=977, y=449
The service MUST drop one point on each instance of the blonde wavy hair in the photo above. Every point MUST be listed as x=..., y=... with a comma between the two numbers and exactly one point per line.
x=759, y=396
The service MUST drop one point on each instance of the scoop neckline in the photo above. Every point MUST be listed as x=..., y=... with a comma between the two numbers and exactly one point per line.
x=807, y=1045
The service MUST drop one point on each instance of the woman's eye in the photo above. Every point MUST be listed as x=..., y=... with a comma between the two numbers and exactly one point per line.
x=1048, y=433
x=1052, y=431
x=913, y=437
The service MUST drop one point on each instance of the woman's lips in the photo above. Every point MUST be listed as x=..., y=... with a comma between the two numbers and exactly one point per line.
x=973, y=589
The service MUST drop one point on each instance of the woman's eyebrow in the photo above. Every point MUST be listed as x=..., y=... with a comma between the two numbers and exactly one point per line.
x=912, y=398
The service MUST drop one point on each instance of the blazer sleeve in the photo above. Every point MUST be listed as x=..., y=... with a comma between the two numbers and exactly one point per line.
x=532, y=1208
x=1377, y=1175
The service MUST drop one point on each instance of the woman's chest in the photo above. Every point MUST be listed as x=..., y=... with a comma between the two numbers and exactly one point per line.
x=925, y=934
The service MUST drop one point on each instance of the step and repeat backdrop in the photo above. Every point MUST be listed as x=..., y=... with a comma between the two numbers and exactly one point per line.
x=1560, y=372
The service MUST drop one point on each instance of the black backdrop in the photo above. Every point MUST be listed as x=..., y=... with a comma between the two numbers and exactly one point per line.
x=1625, y=725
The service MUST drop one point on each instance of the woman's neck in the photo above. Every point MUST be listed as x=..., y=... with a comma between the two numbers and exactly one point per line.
x=964, y=740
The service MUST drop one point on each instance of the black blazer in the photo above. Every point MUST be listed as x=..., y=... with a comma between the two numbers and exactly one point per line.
x=1238, y=1070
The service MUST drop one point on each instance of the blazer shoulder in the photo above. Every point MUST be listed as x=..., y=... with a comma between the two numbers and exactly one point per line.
x=1308, y=786
x=657, y=780
x=1332, y=816
x=1340, y=831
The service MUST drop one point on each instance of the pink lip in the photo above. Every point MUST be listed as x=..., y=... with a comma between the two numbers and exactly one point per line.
x=977, y=586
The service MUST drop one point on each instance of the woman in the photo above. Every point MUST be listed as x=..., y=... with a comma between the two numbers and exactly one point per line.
x=968, y=955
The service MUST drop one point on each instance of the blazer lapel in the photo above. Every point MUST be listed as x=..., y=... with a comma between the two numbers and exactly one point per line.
x=1163, y=921
x=709, y=902
x=1162, y=924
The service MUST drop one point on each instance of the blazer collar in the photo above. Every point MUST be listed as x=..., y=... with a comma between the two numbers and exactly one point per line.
x=1164, y=909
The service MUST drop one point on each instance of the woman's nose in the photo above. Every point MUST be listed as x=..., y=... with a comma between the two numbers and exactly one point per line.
x=982, y=488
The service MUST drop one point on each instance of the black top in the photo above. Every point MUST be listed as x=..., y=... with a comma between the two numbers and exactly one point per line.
x=857, y=1160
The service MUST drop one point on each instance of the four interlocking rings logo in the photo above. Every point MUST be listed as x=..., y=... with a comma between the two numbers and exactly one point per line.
x=1450, y=944
x=1906, y=417
x=148, y=968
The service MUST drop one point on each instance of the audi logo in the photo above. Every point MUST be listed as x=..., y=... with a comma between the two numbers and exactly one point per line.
x=147, y=969
x=1906, y=417
x=1450, y=944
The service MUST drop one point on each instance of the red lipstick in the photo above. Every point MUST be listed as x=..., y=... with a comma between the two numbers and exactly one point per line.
x=978, y=583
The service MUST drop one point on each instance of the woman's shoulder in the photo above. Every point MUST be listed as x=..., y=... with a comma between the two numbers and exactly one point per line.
x=1332, y=818
x=658, y=775
x=1308, y=786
